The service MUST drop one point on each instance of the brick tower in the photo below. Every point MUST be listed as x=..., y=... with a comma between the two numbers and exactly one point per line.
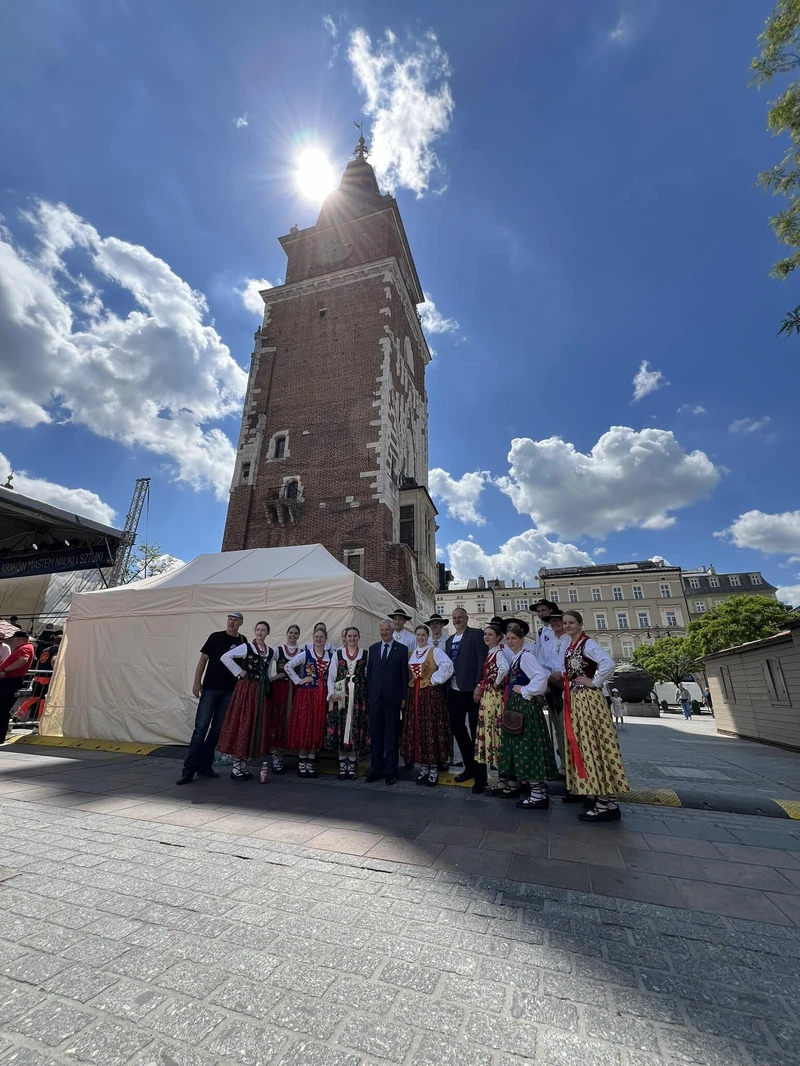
x=333, y=447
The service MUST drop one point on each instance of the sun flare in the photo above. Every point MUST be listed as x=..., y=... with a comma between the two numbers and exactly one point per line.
x=315, y=176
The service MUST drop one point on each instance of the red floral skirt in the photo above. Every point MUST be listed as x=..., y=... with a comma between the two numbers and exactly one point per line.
x=426, y=736
x=246, y=732
x=307, y=718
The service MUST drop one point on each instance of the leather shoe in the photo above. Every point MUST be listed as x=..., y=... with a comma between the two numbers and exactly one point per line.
x=391, y=780
x=478, y=790
x=372, y=777
x=185, y=778
x=208, y=773
x=465, y=776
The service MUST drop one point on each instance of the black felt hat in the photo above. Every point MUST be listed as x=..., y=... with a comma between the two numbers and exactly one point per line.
x=523, y=625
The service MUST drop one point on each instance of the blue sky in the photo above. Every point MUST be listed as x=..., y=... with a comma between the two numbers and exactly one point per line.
x=577, y=183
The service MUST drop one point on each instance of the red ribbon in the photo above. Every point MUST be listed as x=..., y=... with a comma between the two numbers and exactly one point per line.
x=572, y=740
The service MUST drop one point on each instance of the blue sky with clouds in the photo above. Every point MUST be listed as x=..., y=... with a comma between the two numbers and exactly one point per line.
x=577, y=183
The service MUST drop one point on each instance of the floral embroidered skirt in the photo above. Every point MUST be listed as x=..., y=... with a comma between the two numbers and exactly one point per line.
x=529, y=755
x=336, y=726
x=248, y=731
x=426, y=736
x=307, y=718
x=489, y=732
x=599, y=747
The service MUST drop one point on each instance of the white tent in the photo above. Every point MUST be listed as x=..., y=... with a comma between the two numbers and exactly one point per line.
x=128, y=657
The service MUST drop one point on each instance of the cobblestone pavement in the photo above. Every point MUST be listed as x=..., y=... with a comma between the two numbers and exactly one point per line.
x=339, y=924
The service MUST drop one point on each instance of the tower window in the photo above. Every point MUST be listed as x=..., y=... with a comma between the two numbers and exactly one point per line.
x=245, y=473
x=354, y=560
x=291, y=490
x=323, y=311
x=407, y=525
x=280, y=448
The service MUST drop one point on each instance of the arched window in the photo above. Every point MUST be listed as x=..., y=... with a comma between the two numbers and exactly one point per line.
x=280, y=448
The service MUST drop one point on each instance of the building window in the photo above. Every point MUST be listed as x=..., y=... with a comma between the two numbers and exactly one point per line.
x=573, y=595
x=622, y=620
x=727, y=684
x=280, y=448
x=291, y=490
x=505, y=608
x=627, y=649
x=776, y=682
x=597, y=595
x=554, y=595
x=666, y=592
x=323, y=311
x=354, y=560
x=644, y=620
x=407, y=525
x=735, y=580
x=617, y=592
x=700, y=607
x=245, y=473
x=694, y=582
x=671, y=618
x=600, y=620
x=755, y=579
x=713, y=582
x=638, y=592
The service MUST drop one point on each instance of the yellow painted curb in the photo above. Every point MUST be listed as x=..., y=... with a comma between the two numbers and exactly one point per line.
x=657, y=797
x=123, y=747
x=792, y=808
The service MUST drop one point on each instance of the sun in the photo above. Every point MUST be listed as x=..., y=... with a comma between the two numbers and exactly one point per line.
x=314, y=174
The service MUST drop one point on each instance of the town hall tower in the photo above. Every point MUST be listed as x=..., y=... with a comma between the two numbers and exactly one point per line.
x=333, y=447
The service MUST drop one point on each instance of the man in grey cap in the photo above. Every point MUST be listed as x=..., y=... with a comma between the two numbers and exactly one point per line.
x=213, y=686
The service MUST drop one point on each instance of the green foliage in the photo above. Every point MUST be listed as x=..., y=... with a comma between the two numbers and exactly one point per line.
x=736, y=621
x=668, y=659
x=147, y=561
x=780, y=55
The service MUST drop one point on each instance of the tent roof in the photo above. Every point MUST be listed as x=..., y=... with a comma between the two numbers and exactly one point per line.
x=23, y=520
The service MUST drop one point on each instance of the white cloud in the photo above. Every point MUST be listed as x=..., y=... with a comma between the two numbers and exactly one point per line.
x=749, y=425
x=461, y=495
x=409, y=101
x=330, y=26
x=78, y=501
x=634, y=16
x=241, y=122
x=659, y=559
x=155, y=378
x=647, y=381
x=599, y=551
x=629, y=479
x=691, y=409
x=432, y=320
x=519, y=558
x=789, y=594
x=251, y=294
x=772, y=534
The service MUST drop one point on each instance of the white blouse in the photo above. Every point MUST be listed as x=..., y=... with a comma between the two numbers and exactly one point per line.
x=539, y=676
x=605, y=664
x=299, y=660
x=444, y=664
x=239, y=652
x=500, y=652
x=509, y=654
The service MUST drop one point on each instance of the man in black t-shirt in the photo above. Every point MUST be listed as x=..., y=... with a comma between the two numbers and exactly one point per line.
x=213, y=685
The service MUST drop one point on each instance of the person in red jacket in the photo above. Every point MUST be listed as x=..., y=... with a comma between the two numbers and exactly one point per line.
x=12, y=671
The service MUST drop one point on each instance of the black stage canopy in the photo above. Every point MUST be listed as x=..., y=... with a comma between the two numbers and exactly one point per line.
x=36, y=538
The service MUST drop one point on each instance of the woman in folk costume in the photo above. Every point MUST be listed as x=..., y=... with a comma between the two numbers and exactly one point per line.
x=248, y=729
x=426, y=736
x=498, y=621
x=526, y=751
x=347, y=729
x=282, y=691
x=489, y=697
x=593, y=759
x=313, y=673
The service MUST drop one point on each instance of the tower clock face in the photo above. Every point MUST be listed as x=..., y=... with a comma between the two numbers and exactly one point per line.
x=333, y=250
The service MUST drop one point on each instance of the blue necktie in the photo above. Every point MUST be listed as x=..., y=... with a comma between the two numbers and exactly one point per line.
x=384, y=653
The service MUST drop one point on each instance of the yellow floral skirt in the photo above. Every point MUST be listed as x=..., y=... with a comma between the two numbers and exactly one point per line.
x=489, y=731
x=599, y=747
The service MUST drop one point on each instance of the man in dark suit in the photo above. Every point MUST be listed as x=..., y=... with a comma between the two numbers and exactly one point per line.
x=467, y=649
x=387, y=687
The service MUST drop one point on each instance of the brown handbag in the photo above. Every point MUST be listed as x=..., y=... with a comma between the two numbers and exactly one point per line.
x=513, y=722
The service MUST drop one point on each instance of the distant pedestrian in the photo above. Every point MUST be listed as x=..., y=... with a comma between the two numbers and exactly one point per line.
x=213, y=687
x=685, y=700
x=12, y=672
x=617, y=708
x=707, y=699
x=250, y=728
x=387, y=690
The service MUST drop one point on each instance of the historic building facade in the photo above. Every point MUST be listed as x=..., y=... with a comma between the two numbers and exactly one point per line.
x=333, y=446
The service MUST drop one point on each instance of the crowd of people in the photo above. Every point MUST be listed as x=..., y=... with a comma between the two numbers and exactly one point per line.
x=19, y=653
x=410, y=696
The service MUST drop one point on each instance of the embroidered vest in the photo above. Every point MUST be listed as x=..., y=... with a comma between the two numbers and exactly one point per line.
x=422, y=672
x=577, y=662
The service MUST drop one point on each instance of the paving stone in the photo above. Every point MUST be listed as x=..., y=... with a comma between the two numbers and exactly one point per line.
x=52, y=1022
x=128, y=1000
x=619, y=1029
x=249, y=1044
x=94, y=951
x=420, y=978
x=725, y=1023
x=512, y=973
x=533, y=955
x=653, y=1008
x=577, y=989
x=25, y=1056
x=450, y=961
x=516, y=1037
x=416, y=1009
x=33, y=969
x=438, y=1051
x=473, y=993
x=16, y=998
x=684, y=1046
x=192, y=979
x=298, y=977
x=545, y=1009
x=564, y=1049
x=161, y=1054
x=140, y=963
x=107, y=1044
x=382, y=1039
x=246, y=997
x=188, y=1023
x=303, y=1053
x=302, y=1015
x=362, y=994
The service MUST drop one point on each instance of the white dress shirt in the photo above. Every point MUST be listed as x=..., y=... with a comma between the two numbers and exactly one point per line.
x=552, y=651
x=402, y=636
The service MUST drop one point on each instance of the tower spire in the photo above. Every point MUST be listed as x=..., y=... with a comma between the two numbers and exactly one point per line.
x=361, y=150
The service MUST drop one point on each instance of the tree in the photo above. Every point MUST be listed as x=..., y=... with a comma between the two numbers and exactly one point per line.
x=668, y=659
x=736, y=621
x=147, y=561
x=780, y=54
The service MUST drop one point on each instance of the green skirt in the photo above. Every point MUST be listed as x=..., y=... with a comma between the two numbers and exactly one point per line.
x=529, y=756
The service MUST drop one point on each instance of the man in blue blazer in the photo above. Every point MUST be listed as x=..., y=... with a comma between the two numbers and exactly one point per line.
x=387, y=688
x=467, y=649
